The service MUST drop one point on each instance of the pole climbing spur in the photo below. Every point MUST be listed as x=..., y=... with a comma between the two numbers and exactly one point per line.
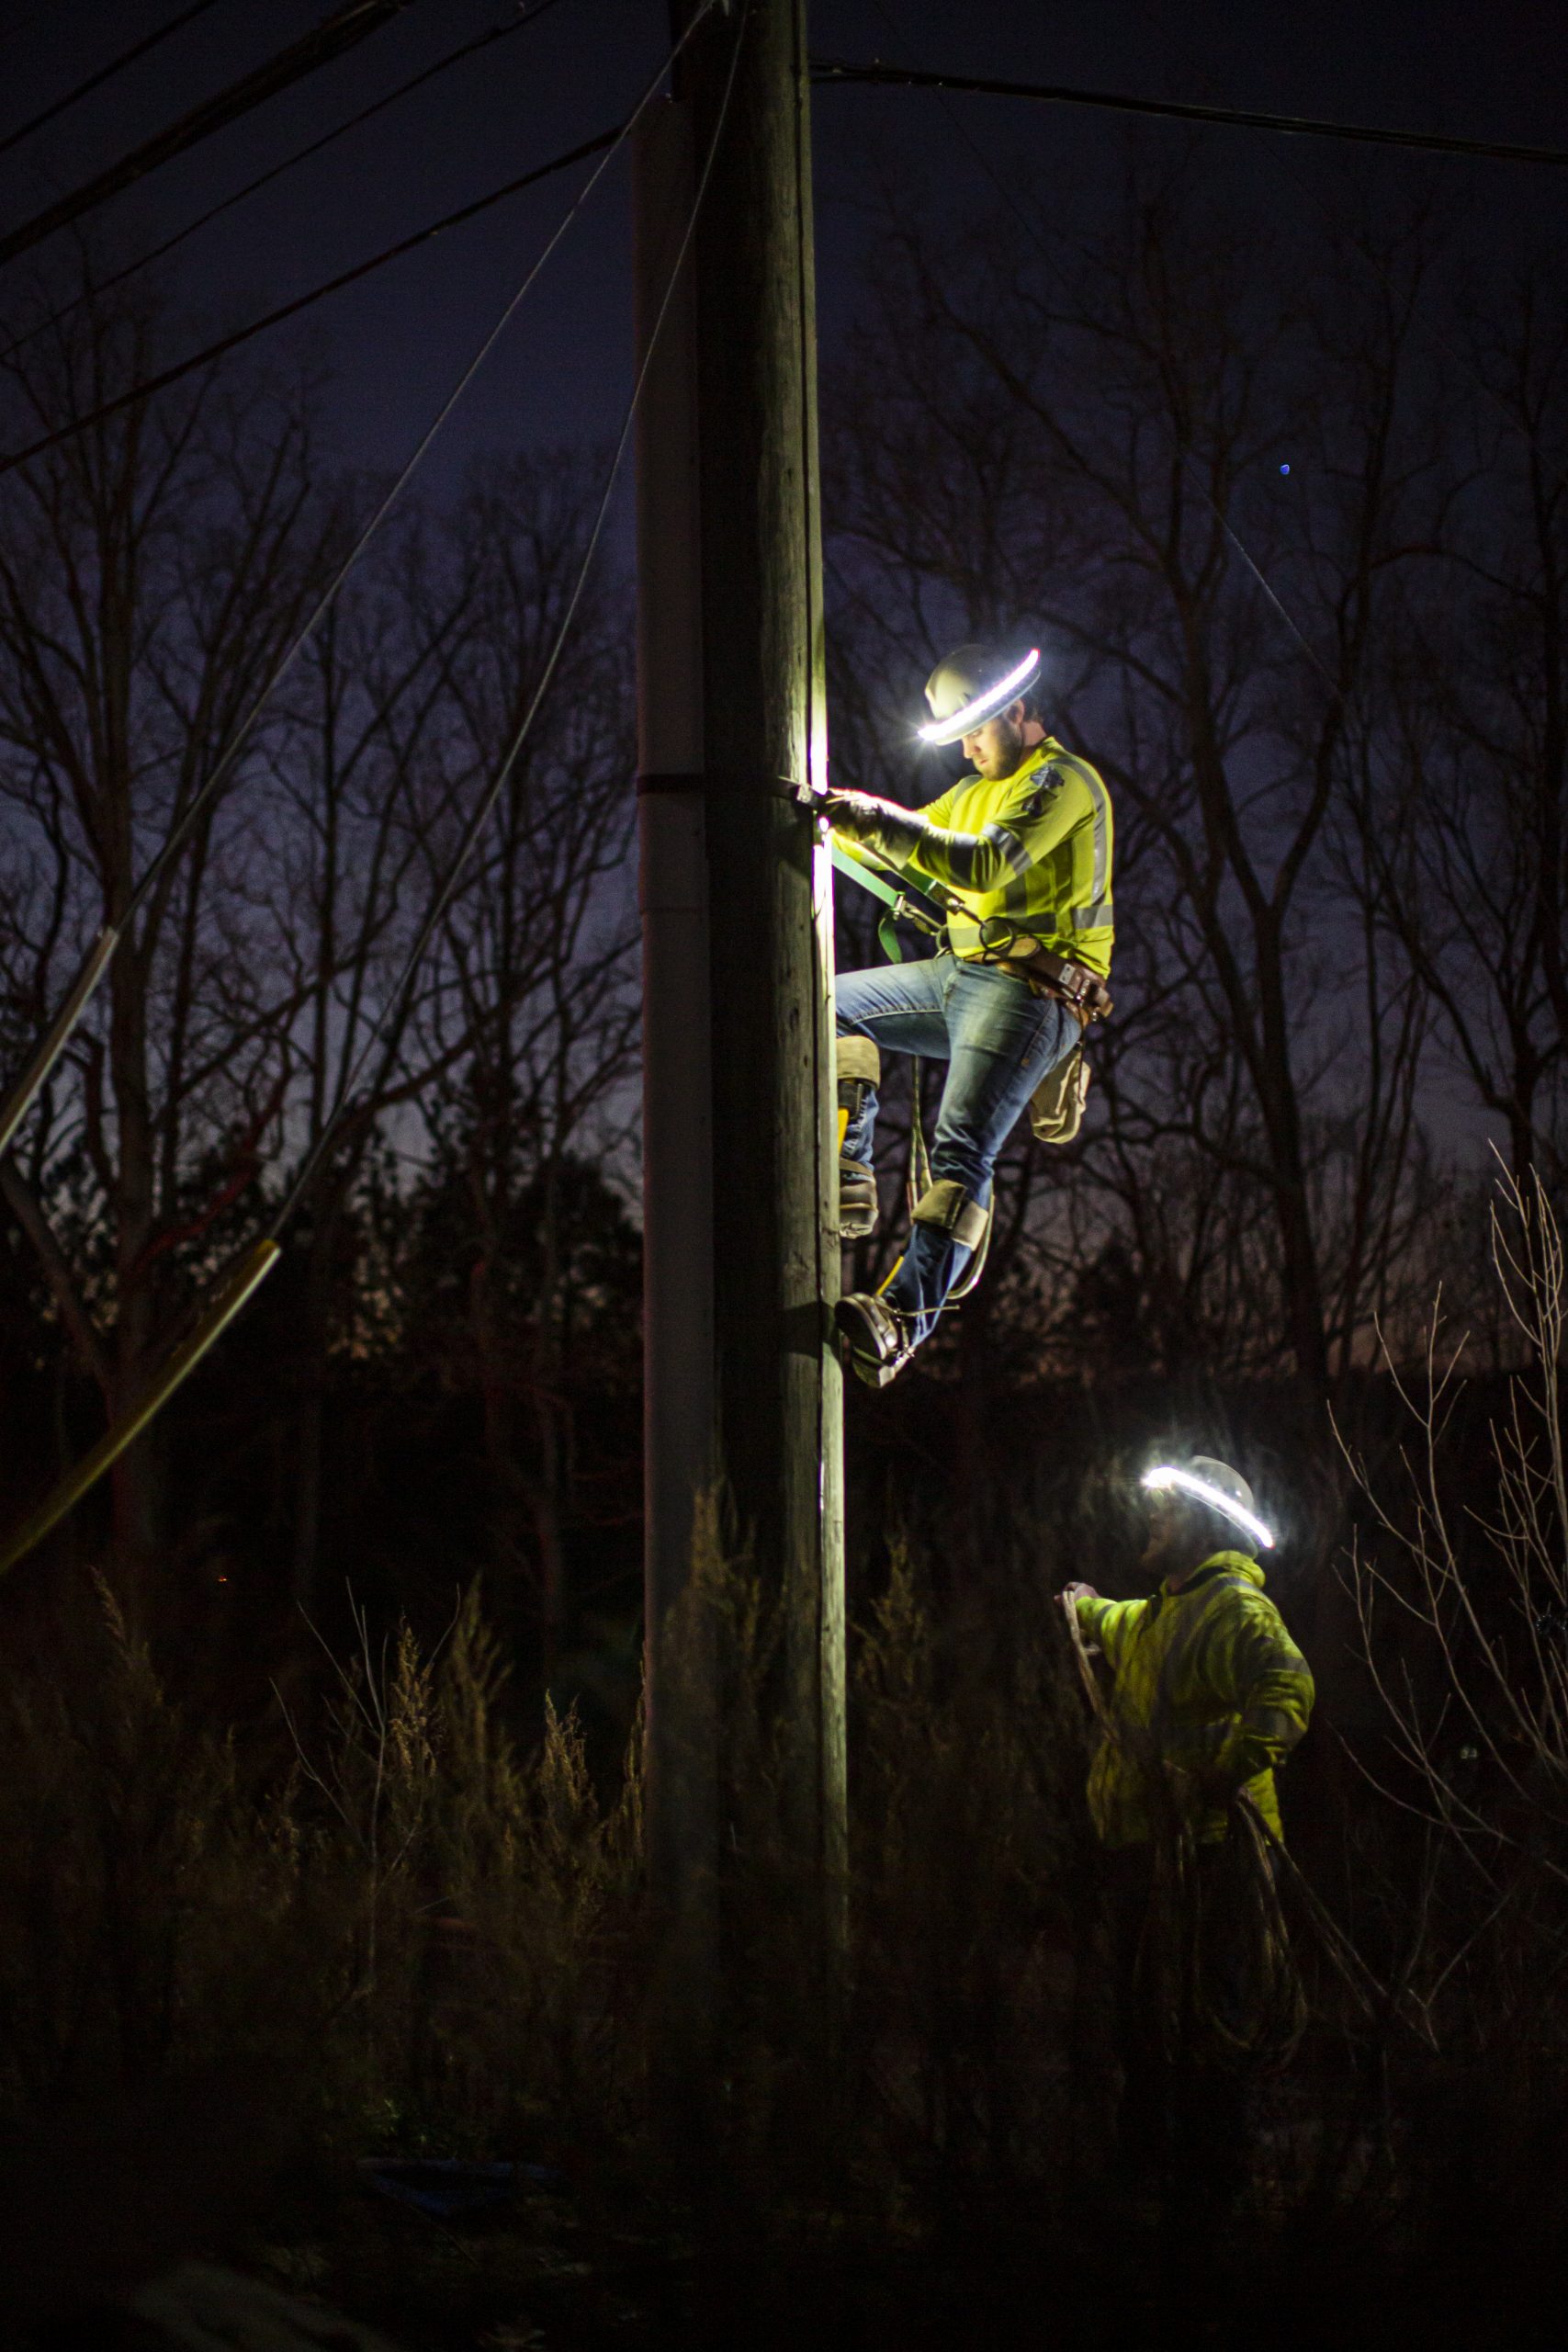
x=859, y=1072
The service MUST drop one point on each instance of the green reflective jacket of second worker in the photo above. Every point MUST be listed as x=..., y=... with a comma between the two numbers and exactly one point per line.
x=1206, y=1678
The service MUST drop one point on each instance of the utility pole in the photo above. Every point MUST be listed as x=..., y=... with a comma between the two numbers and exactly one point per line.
x=743, y=1387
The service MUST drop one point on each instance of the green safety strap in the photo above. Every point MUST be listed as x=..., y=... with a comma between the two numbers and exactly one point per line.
x=921, y=910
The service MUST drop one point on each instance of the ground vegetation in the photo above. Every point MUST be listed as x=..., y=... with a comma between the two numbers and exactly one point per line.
x=320, y=1776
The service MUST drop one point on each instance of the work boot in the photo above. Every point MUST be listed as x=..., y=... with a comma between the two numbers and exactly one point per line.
x=875, y=1338
x=857, y=1200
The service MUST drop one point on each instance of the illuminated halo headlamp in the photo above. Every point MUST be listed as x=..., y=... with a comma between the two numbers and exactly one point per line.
x=983, y=705
x=1165, y=1475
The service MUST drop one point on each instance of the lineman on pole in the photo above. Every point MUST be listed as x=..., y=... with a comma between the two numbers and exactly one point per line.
x=1020, y=854
x=1208, y=1696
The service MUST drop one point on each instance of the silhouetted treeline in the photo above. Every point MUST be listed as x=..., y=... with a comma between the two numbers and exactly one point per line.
x=1333, y=708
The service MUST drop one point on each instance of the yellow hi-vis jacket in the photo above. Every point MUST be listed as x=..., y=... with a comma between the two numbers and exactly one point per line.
x=1034, y=848
x=1206, y=1678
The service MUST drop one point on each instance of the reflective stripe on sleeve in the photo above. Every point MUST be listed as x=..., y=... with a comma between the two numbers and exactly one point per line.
x=1101, y=801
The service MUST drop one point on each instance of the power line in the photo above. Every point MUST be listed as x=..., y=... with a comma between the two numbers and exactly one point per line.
x=99, y=958
x=1420, y=310
x=275, y=171
x=350, y=25
x=148, y=385
x=832, y=70
x=383, y=1031
x=1188, y=455
x=237, y=1283
x=105, y=73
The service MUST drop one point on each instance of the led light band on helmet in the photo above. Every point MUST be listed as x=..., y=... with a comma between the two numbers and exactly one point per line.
x=948, y=731
x=1165, y=1474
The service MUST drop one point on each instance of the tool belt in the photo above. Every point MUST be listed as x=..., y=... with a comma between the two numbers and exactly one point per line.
x=1082, y=992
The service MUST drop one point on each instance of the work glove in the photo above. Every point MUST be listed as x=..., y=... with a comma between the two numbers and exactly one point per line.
x=1067, y=1600
x=881, y=825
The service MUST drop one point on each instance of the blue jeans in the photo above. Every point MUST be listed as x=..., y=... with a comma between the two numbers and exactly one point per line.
x=999, y=1040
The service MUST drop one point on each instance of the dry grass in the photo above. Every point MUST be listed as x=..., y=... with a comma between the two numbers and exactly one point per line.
x=423, y=1935
x=447, y=1927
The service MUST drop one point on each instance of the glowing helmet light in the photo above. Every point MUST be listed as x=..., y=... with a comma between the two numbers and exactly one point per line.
x=971, y=686
x=1217, y=1486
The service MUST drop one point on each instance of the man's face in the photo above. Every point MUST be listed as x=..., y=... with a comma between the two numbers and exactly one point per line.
x=999, y=745
x=1181, y=1536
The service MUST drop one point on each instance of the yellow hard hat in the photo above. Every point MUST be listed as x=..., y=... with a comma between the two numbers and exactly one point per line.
x=971, y=685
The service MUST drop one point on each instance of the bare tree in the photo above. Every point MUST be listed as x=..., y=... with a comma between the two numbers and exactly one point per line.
x=151, y=572
x=256, y=1024
x=531, y=1003
x=1085, y=436
x=1463, y=813
x=1457, y=1581
x=348, y=885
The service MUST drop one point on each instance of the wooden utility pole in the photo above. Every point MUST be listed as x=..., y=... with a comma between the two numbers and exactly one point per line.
x=743, y=1397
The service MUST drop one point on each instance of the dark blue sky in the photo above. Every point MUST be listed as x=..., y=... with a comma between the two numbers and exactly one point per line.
x=395, y=344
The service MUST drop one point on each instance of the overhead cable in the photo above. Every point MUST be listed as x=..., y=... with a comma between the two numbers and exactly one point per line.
x=1188, y=455
x=382, y=1032
x=345, y=29
x=15, y=1107
x=830, y=71
x=237, y=1283
x=146, y=386
x=105, y=73
x=276, y=170
x=1420, y=309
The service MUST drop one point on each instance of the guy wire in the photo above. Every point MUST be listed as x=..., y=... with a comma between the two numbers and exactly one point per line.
x=276, y=170
x=478, y=822
x=184, y=826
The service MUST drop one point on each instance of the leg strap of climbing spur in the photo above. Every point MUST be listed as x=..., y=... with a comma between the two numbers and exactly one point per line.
x=860, y=1068
x=857, y=1200
x=859, y=1062
x=949, y=1206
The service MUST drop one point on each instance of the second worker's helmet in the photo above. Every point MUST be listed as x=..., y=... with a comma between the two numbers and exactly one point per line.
x=1216, y=1487
x=971, y=684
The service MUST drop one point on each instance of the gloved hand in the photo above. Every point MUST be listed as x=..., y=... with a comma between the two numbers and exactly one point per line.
x=1067, y=1601
x=855, y=813
x=880, y=825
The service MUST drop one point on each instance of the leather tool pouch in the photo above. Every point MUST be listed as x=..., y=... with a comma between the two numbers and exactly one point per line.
x=1056, y=1105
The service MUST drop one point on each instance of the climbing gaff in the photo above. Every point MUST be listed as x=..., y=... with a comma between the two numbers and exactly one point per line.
x=229, y=1296
x=860, y=1074
x=1165, y=1476
x=19, y=1101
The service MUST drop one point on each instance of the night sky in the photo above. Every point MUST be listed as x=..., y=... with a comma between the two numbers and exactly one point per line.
x=395, y=344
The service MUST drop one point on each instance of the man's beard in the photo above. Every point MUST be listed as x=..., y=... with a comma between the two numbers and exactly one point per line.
x=1009, y=751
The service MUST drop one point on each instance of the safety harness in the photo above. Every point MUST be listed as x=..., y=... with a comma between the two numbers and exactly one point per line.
x=1057, y=1108
x=907, y=906
x=928, y=907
